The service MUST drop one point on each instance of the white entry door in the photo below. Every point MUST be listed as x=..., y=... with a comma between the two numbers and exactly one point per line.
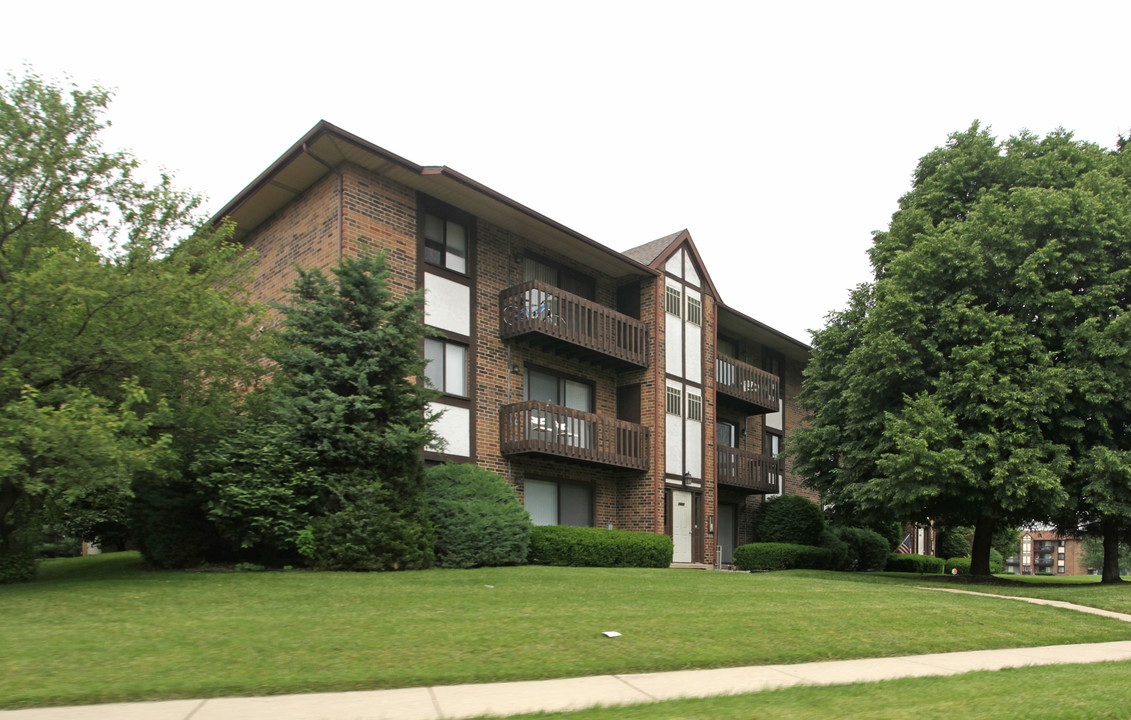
x=681, y=526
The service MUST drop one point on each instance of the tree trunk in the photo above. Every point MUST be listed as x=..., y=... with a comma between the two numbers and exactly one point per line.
x=1110, y=527
x=983, y=542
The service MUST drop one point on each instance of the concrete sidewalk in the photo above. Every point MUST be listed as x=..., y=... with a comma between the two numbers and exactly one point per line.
x=464, y=701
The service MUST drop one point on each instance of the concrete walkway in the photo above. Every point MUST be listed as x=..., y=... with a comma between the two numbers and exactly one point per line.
x=464, y=701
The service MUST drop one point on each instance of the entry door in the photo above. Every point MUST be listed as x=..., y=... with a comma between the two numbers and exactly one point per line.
x=681, y=526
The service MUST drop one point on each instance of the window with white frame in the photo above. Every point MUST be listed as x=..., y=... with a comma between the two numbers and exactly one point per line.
x=673, y=301
x=446, y=369
x=694, y=311
x=694, y=406
x=674, y=401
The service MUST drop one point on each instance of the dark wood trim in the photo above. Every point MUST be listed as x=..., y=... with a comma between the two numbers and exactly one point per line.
x=573, y=320
x=543, y=428
x=425, y=203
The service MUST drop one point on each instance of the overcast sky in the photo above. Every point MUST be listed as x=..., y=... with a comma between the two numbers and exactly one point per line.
x=780, y=134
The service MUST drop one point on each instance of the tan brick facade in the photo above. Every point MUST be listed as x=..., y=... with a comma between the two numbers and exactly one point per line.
x=362, y=207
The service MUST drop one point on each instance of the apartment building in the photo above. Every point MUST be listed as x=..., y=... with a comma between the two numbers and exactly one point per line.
x=1047, y=551
x=610, y=389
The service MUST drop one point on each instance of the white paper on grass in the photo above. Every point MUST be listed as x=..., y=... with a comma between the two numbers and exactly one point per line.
x=611, y=633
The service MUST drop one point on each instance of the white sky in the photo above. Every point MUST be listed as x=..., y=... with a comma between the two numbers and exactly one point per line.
x=781, y=135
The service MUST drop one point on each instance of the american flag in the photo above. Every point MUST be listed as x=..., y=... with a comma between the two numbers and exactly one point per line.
x=905, y=546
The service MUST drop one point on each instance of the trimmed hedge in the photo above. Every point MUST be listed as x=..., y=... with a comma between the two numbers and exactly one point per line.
x=596, y=547
x=922, y=564
x=790, y=519
x=478, y=519
x=781, y=556
x=962, y=565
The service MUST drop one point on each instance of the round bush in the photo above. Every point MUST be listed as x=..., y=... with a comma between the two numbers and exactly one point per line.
x=842, y=555
x=597, y=547
x=790, y=519
x=962, y=565
x=923, y=564
x=869, y=549
x=781, y=556
x=478, y=519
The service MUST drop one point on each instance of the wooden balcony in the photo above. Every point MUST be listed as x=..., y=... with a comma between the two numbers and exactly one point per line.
x=750, y=471
x=540, y=310
x=541, y=428
x=746, y=385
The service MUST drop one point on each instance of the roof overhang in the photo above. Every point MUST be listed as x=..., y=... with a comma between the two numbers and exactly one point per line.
x=732, y=322
x=326, y=148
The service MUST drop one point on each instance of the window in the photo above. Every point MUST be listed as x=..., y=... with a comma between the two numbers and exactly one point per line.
x=694, y=406
x=549, y=273
x=445, y=243
x=558, y=503
x=771, y=444
x=557, y=390
x=447, y=366
x=674, y=401
x=558, y=426
x=726, y=434
x=694, y=311
x=673, y=301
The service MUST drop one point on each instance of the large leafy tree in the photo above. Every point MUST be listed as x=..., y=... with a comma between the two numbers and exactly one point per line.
x=123, y=336
x=951, y=388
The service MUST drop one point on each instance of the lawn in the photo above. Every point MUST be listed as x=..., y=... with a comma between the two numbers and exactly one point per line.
x=102, y=629
x=1061, y=692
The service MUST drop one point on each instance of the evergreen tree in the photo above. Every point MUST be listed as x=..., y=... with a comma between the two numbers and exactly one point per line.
x=349, y=418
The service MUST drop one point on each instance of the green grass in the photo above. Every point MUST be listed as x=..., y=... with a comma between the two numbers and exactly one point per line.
x=1062, y=692
x=101, y=629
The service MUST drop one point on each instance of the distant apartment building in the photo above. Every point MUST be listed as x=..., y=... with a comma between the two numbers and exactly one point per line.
x=1046, y=551
x=610, y=389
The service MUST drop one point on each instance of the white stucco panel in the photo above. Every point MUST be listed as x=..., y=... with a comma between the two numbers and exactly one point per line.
x=673, y=344
x=454, y=428
x=695, y=449
x=689, y=273
x=673, y=445
x=447, y=304
x=674, y=265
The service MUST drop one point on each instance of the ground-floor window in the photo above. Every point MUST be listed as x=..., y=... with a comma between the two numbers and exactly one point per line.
x=558, y=503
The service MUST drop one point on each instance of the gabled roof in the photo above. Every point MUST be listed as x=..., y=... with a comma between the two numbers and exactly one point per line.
x=326, y=147
x=645, y=254
x=654, y=254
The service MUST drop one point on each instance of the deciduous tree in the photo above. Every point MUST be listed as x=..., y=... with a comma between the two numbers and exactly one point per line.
x=954, y=387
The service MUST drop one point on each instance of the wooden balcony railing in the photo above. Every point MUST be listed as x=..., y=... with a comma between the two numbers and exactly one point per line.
x=749, y=470
x=747, y=383
x=539, y=427
x=537, y=307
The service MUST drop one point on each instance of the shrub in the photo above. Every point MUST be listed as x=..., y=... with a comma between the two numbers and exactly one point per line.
x=842, y=556
x=781, y=556
x=954, y=542
x=790, y=519
x=923, y=564
x=997, y=562
x=596, y=547
x=368, y=530
x=477, y=517
x=962, y=565
x=867, y=548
